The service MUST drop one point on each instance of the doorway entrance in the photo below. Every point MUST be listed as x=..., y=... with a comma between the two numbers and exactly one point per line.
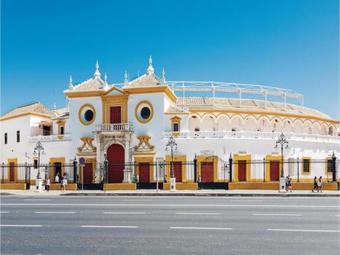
x=116, y=163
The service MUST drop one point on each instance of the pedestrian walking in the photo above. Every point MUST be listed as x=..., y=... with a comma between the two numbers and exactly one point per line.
x=289, y=184
x=64, y=182
x=286, y=182
x=47, y=184
x=315, y=184
x=57, y=178
x=320, y=184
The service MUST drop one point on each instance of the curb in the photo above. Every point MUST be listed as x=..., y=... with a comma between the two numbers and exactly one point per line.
x=201, y=194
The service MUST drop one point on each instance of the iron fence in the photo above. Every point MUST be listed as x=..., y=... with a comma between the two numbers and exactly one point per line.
x=299, y=169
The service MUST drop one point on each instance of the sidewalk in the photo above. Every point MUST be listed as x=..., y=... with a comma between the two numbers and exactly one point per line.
x=246, y=193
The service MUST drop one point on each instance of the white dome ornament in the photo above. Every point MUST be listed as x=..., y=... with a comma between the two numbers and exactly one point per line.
x=126, y=78
x=70, y=84
x=106, y=86
x=150, y=70
x=97, y=74
x=163, y=76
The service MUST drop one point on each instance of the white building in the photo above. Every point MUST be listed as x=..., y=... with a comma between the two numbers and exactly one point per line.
x=131, y=123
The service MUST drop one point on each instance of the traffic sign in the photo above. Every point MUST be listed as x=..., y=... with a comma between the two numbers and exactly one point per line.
x=82, y=161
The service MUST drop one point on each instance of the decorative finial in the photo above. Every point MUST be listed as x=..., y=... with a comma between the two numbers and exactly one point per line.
x=150, y=69
x=97, y=73
x=126, y=77
x=70, y=84
x=163, y=75
x=105, y=78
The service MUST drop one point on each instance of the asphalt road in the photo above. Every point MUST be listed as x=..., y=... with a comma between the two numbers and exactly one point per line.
x=170, y=225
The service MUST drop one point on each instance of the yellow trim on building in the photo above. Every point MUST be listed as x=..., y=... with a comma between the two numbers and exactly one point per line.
x=145, y=158
x=266, y=113
x=93, y=161
x=159, y=89
x=52, y=161
x=117, y=100
x=80, y=114
x=94, y=93
x=213, y=159
x=270, y=158
x=247, y=158
x=177, y=158
x=15, y=161
x=60, y=123
x=138, y=118
x=309, y=166
x=24, y=114
x=176, y=120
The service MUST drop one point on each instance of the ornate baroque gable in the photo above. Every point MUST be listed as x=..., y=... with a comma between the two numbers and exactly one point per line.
x=144, y=145
x=87, y=146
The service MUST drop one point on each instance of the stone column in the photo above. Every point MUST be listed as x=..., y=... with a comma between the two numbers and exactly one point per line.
x=127, y=169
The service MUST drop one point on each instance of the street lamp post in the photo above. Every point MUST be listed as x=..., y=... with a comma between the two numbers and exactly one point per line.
x=38, y=149
x=334, y=167
x=283, y=142
x=172, y=145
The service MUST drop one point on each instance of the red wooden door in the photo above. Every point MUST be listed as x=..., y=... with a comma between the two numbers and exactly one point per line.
x=116, y=158
x=88, y=175
x=177, y=166
x=11, y=172
x=144, y=172
x=242, y=170
x=115, y=114
x=274, y=170
x=207, y=172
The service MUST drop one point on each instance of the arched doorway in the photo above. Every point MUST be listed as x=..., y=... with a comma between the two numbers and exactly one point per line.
x=116, y=160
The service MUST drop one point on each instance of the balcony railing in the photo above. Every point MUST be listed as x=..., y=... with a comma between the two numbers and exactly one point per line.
x=252, y=135
x=50, y=138
x=118, y=127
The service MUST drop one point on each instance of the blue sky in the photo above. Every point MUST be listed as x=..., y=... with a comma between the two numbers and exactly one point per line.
x=289, y=43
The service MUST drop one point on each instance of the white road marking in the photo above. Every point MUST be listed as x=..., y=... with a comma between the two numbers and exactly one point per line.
x=199, y=228
x=176, y=205
x=98, y=226
x=124, y=213
x=137, y=200
x=304, y=230
x=3, y=212
x=36, y=199
x=22, y=226
x=55, y=212
x=197, y=213
x=276, y=214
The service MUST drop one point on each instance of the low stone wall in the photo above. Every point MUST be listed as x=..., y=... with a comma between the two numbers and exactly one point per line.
x=275, y=186
x=119, y=186
x=181, y=186
x=18, y=186
x=69, y=186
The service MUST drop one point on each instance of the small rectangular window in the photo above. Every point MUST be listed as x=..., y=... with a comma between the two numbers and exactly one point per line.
x=61, y=130
x=5, y=138
x=18, y=136
x=175, y=127
x=306, y=165
x=35, y=163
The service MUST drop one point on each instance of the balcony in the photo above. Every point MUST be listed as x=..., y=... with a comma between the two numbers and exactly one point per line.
x=50, y=138
x=113, y=128
x=253, y=135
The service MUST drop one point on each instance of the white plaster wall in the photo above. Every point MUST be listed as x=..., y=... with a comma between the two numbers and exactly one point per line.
x=75, y=127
